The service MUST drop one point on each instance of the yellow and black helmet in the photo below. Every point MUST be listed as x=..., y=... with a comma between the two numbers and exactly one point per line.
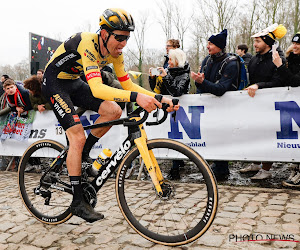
x=116, y=19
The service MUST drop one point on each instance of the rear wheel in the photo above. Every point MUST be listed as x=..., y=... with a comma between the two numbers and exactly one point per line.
x=188, y=205
x=46, y=194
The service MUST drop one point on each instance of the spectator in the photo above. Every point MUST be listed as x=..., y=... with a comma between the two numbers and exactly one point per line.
x=171, y=44
x=40, y=73
x=175, y=81
x=156, y=80
x=208, y=80
x=3, y=79
x=263, y=74
x=37, y=100
x=17, y=97
x=4, y=108
x=242, y=51
x=290, y=72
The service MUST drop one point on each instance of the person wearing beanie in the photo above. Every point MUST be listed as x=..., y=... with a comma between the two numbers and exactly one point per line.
x=220, y=39
x=214, y=80
x=263, y=74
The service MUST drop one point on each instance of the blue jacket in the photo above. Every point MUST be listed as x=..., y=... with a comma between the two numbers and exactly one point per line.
x=215, y=83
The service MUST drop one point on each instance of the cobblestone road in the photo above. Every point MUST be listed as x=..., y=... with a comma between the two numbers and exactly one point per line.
x=264, y=213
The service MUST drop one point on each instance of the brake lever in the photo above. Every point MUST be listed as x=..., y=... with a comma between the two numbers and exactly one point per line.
x=175, y=102
x=156, y=114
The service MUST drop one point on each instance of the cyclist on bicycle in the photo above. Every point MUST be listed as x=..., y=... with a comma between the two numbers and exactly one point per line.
x=86, y=53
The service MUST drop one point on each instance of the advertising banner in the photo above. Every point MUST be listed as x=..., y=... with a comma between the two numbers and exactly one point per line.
x=232, y=127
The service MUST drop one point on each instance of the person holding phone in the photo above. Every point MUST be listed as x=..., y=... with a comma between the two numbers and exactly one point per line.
x=262, y=71
x=154, y=79
x=174, y=81
x=290, y=71
x=264, y=74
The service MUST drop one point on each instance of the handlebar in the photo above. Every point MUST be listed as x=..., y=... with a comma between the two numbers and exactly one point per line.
x=146, y=114
x=136, y=113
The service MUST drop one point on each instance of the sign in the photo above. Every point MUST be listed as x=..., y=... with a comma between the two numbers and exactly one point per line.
x=232, y=127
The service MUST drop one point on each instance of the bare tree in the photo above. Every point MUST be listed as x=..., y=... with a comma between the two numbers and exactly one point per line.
x=218, y=14
x=272, y=12
x=165, y=20
x=139, y=37
x=19, y=71
x=181, y=23
x=248, y=24
x=296, y=15
x=7, y=70
x=22, y=70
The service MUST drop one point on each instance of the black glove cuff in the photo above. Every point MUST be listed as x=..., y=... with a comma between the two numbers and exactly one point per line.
x=133, y=96
x=158, y=97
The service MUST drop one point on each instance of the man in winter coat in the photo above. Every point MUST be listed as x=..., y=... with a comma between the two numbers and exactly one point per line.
x=212, y=80
x=263, y=74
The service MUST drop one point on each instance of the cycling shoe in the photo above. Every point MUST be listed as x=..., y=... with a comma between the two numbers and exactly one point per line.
x=85, y=211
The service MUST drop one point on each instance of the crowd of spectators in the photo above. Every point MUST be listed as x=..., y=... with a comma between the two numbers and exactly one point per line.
x=268, y=68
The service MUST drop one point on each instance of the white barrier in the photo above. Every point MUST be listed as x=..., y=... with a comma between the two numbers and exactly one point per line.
x=232, y=127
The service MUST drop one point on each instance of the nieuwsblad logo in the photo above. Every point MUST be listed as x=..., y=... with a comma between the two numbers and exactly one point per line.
x=191, y=127
x=289, y=118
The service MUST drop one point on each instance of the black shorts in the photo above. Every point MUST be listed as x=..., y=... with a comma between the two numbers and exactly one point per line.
x=63, y=95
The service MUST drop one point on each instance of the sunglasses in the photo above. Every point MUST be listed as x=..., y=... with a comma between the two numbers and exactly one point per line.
x=120, y=38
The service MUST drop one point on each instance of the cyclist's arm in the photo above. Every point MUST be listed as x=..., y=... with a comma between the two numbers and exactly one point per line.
x=124, y=78
x=100, y=90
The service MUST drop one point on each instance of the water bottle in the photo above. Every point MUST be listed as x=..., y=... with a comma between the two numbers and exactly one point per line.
x=101, y=160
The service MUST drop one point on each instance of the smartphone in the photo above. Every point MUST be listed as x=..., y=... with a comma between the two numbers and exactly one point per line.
x=275, y=46
x=155, y=71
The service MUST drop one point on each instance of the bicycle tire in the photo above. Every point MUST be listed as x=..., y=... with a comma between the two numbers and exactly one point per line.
x=57, y=211
x=168, y=221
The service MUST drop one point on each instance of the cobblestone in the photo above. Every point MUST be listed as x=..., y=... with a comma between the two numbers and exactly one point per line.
x=259, y=212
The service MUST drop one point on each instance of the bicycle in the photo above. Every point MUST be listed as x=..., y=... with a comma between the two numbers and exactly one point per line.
x=161, y=210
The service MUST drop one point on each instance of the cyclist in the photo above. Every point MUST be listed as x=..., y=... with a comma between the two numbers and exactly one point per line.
x=85, y=53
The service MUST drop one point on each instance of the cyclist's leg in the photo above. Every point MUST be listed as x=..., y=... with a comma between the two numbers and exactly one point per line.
x=107, y=110
x=59, y=93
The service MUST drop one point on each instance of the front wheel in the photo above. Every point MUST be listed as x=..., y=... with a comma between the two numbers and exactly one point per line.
x=189, y=204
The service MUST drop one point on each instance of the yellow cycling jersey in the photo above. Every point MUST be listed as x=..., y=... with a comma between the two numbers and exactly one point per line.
x=80, y=55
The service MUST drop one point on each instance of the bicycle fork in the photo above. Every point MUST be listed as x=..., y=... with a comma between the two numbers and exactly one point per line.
x=149, y=160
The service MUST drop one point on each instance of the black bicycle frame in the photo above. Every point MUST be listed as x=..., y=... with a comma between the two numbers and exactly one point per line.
x=106, y=170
